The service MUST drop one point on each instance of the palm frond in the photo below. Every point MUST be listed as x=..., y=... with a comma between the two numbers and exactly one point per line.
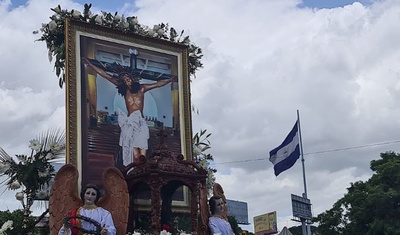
x=4, y=157
x=53, y=139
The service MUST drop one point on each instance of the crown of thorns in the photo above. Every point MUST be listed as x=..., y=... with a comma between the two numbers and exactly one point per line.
x=67, y=222
x=122, y=71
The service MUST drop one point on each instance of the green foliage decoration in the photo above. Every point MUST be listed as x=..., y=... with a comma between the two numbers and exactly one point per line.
x=201, y=144
x=31, y=174
x=53, y=34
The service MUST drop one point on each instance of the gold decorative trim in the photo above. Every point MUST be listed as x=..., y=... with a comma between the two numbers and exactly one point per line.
x=76, y=88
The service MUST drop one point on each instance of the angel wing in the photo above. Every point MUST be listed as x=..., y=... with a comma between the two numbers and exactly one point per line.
x=219, y=191
x=116, y=198
x=63, y=197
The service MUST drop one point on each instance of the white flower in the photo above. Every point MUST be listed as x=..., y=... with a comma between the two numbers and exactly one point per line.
x=210, y=178
x=186, y=41
x=204, y=163
x=54, y=147
x=164, y=232
x=196, y=150
x=134, y=20
x=19, y=196
x=42, y=194
x=98, y=20
x=160, y=31
x=52, y=26
x=7, y=225
x=49, y=156
x=151, y=33
x=117, y=18
x=156, y=28
x=15, y=185
x=184, y=233
x=57, y=9
x=35, y=145
x=76, y=14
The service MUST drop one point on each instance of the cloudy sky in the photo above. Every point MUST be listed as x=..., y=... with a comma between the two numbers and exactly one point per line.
x=337, y=62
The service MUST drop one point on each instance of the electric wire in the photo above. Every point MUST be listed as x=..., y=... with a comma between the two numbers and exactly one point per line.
x=317, y=152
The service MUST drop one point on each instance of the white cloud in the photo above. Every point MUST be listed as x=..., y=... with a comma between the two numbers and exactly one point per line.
x=262, y=61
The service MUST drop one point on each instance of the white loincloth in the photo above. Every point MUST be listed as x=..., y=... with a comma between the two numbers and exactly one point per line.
x=134, y=134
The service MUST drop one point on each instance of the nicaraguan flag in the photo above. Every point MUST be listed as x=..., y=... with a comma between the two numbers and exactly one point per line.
x=285, y=155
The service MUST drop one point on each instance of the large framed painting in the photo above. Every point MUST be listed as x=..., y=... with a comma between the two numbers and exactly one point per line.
x=122, y=90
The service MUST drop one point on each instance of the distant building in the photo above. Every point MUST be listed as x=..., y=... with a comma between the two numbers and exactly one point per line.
x=238, y=210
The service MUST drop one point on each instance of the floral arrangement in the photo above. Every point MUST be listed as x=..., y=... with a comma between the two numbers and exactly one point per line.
x=200, y=145
x=6, y=226
x=163, y=232
x=53, y=34
x=31, y=175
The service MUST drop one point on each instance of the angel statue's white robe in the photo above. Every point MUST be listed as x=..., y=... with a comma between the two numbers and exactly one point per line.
x=99, y=214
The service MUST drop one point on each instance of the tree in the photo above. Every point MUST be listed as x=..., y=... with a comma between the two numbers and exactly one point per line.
x=298, y=230
x=371, y=207
x=234, y=224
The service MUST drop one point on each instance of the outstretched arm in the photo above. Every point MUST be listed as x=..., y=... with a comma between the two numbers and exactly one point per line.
x=100, y=71
x=160, y=83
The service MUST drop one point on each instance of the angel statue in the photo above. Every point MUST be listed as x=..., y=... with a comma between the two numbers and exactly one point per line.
x=214, y=213
x=219, y=192
x=91, y=213
x=218, y=222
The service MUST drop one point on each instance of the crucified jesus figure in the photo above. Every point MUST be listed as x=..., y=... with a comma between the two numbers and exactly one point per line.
x=134, y=130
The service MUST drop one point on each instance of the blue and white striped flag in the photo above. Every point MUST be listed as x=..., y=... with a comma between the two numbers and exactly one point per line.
x=285, y=155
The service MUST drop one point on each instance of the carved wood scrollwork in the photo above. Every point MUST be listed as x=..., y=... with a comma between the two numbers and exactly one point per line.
x=163, y=174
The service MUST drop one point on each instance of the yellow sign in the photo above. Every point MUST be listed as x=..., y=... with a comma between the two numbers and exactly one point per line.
x=265, y=224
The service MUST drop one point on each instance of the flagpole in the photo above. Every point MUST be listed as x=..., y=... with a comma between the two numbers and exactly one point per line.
x=305, y=226
x=302, y=155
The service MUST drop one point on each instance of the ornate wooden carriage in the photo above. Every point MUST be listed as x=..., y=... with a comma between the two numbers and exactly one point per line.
x=161, y=176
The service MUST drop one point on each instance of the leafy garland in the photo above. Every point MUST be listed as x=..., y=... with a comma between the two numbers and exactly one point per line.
x=53, y=35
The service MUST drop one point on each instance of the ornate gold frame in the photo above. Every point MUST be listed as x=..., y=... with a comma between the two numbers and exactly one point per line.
x=76, y=90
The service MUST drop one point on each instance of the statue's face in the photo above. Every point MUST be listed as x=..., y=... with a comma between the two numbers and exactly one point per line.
x=127, y=80
x=219, y=206
x=90, y=196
